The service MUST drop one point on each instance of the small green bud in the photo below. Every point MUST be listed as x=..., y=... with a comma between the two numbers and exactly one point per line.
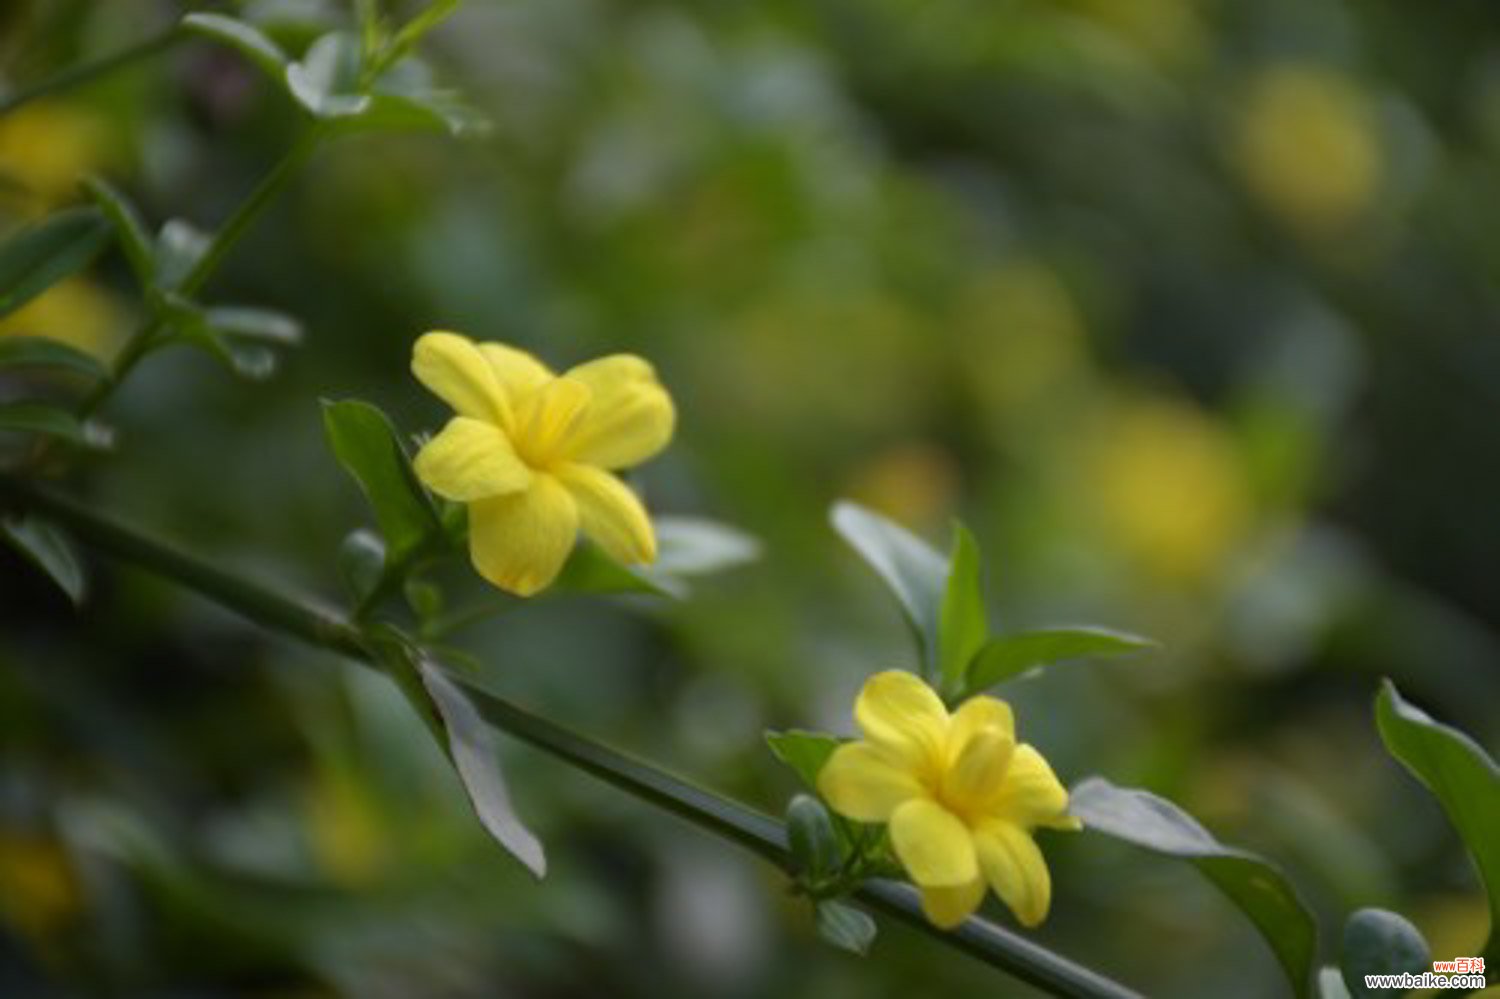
x=815, y=845
x=361, y=561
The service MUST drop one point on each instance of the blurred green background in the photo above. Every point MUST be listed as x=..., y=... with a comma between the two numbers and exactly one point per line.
x=1188, y=307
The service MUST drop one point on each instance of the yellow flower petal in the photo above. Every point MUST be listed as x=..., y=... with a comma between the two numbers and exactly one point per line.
x=518, y=373
x=947, y=907
x=546, y=418
x=975, y=715
x=631, y=417
x=1032, y=795
x=520, y=542
x=936, y=848
x=1014, y=867
x=456, y=372
x=610, y=513
x=977, y=777
x=471, y=460
x=863, y=784
x=902, y=715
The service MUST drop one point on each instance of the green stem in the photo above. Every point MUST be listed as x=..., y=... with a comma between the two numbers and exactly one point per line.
x=88, y=71
x=728, y=819
x=264, y=605
x=142, y=341
x=230, y=232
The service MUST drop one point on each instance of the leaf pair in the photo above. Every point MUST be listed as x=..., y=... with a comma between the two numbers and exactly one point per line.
x=169, y=268
x=363, y=81
x=943, y=602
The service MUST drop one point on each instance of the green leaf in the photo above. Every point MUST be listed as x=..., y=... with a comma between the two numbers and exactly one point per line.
x=1006, y=656
x=42, y=254
x=589, y=570
x=471, y=743
x=179, y=247
x=248, y=39
x=810, y=834
x=430, y=110
x=845, y=927
x=324, y=81
x=963, y=627
x=1256, y=885
x=805, y=752
x=249, y=360
x=129, y=228
x=48, y=547
x=40, y=418
x=365, y=443
x=1463, y=778
x=913, y=570
x=40, y=352
x=262, y=325
x=1377, y=942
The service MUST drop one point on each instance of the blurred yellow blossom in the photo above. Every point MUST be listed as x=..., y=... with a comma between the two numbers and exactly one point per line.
x=45, y=147
x=914, y=483
x=962, y=798
x=39, y=892
x=1021, y=335
x=347, y=833
x=1165, y=486
x=73, y=311
x=1308, y=148
x=531, y=453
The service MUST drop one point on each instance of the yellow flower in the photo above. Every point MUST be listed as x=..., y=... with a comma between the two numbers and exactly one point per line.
x=961, y=797
x=531, y=453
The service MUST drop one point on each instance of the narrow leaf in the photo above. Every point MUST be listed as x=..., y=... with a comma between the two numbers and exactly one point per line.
x=845, y=927
x=698, y=546
x=471, y=743
x=263, y=325
x=913, y=570
x=249, y=40
x=366, y=445
x=962, y=625
x=41, y=352
x=129, y=229
x=42, y=254
x=804, y=752
x=40, y=418
x=1006, y=656
x=1257, y=886
x=1377, y=942
x=1463, y=778
x=48, y=547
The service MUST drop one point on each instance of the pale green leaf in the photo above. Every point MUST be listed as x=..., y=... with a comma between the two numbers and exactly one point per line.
x=963, y=627
x=1258, y=887
x=1463, y=778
